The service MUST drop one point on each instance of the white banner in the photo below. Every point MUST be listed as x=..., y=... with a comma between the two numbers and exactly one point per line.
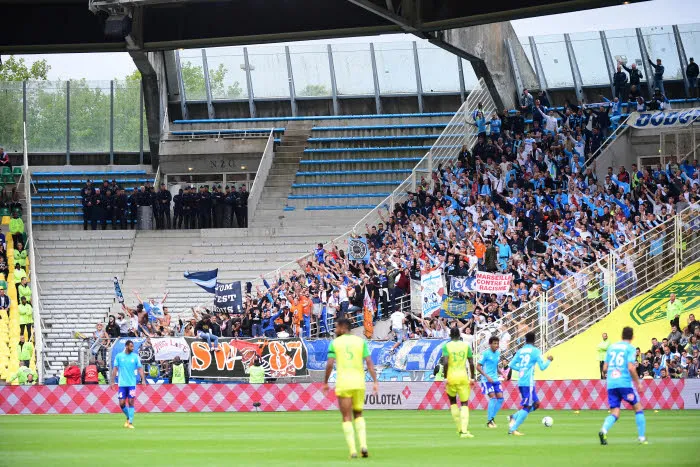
x=663, y=119
x=432, y=290
x=167, y=348
x=399, y=395
x=691, y=394
x=487, y=282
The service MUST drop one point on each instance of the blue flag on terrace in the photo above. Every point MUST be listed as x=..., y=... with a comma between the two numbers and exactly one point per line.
x=455, y=308
x=204, y=279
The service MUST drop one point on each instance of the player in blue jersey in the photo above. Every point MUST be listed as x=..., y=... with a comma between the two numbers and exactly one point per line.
x=622, y=377
x=524, y=363
x=125, y=366
x=490, y=385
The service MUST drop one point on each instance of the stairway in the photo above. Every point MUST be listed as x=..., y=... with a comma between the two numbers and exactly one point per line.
x=278, y=186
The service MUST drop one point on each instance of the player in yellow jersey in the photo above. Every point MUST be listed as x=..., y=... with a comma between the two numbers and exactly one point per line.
x=455, y=356
x=349, y=353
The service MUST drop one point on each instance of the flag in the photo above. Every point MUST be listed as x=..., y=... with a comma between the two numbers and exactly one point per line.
x=462, y=284
x=204, y=279
x=118, y=290
x=368, y=315
x=453, y=307
x=358, y=249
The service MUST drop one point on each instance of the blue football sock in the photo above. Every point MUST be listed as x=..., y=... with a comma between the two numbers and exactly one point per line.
x=491, y=409
x=641, y=423
x=125, y=409
x=520, y=417
x=131, y=415
x=499, y=404
x=609, y=422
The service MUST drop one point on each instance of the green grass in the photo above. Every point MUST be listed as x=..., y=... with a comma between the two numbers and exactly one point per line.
x=315, y=438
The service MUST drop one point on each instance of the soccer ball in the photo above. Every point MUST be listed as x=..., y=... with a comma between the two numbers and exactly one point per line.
x=548, y=421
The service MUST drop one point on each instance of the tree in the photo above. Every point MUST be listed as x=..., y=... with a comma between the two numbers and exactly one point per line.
x=14, y=69
x=12, y=72
x=313, y=90
x=195, y=89
x=126, y=113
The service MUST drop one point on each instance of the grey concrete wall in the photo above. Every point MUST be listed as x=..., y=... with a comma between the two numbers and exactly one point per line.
x=619, y=152
x=209, y=163
x=213, y=146
x=485, y=47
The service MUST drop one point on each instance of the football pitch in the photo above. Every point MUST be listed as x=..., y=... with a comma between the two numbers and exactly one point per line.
x=403, y=438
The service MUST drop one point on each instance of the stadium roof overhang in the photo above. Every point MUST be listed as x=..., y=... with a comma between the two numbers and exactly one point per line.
x=44, y=26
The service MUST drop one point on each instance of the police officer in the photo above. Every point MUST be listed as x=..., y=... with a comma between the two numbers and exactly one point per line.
x=218, y=207
x=163, y=199
x=242, y=207
x=87, y=195
x=204, y=208
x=98, y=212
x=121, y=205
x=229, y=202
x=133, y=203
x=188, y=208
x=178, y=212
x=108, y=205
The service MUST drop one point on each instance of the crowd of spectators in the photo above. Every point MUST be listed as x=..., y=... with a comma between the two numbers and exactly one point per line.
x=191, y=208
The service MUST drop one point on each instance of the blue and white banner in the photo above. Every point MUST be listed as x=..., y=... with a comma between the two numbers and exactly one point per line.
x=204, y=279
x=453, y=307
x=663, y=119
x=118, y=290
x=358, y=249
x=432, y=290
x=318, y=353
x=119, y=344
x=228, y=298
x=418, y=354
x=462, y=284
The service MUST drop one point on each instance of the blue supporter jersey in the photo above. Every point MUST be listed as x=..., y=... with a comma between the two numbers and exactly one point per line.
x=127, y=365
x=617, y=358
x=524, y=363
x=489, y=363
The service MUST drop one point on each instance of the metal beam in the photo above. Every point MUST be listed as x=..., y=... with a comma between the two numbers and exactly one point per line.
x=249, y=82
x=207, y=84
x=575, y=72
x=181, y=87
x=111, y=122
x=462, y=87
x=609, y=63
x=24, y=100
x=386, y=14
x=514, y=66
x=375, y=76
x=290, y=79
x=334, y=85
x=645, y=62
x=419, y=82
x=682, y=57
x=68, y=122
x=141, y=112
x=539, y=70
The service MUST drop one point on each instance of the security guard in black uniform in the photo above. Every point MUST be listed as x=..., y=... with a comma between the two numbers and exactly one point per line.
x=204, y=208
x=188, y=211
x=163, y=199
x=108, y=204
x=87, y=194
x=98, y=211
x=121, y=205
x=242, y=207
x=177, y=211
x=132, y=201
x=217, y=207
x=229, y=201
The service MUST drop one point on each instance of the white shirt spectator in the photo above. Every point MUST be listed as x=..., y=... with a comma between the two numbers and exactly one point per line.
x=397, y=320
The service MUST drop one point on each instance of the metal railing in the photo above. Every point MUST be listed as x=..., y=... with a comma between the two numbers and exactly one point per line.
x=586, y=297
x=256, y=190
x=445, y=150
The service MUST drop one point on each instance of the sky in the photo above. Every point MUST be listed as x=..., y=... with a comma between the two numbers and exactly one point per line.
x=106, y=66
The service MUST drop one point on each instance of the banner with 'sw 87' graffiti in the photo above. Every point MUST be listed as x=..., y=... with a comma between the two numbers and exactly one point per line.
x=280, y=357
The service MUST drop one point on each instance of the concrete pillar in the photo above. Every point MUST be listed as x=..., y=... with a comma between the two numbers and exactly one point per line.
x=485, y=48
x=151, y=65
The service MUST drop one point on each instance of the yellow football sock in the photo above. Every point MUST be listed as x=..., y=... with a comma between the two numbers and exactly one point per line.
x=464, y=416
x=361, y=429
x=350, y=436
x=455, y=416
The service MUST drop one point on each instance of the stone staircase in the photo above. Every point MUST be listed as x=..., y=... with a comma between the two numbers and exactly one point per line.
x=278, y=186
